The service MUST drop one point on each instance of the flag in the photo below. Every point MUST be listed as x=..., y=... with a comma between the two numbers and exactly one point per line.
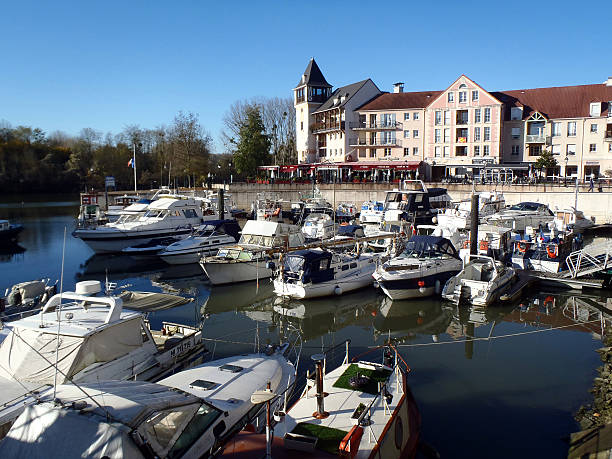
x=131, y=163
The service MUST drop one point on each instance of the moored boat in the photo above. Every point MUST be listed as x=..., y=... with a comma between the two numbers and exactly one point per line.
x=9, y=231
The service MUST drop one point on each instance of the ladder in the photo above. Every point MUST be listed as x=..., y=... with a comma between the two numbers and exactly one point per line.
x=589, y=260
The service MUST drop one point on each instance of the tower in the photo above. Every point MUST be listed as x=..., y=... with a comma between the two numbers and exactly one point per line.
x=309, y=94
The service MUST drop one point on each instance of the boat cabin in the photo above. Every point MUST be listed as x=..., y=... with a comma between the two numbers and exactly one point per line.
x=312, y=265
x=429, y=247
x=218, y=227
x=271, y=234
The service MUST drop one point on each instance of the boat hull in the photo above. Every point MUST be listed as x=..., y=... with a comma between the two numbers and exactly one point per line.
x=187, y=257
x=115, y=241
x=408, y=288
x=231, y=271
x=329, y=288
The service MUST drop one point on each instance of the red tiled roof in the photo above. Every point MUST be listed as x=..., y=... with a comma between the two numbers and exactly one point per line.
x=558, y=102
x=401, y=100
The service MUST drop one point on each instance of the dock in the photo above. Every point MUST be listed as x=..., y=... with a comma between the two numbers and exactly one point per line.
x=525, y=280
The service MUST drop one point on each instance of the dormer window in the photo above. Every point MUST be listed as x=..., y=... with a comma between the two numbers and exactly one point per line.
x=595, y=109
x=516, y=113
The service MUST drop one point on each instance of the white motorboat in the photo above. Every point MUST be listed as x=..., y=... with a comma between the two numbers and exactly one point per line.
x=190, y=414
x=346, y=238
x=206, y=240
x=372, y=212
x=416, y=206
x=571, y=220
x=493, y=241
x=360, y=409
x=9, y=231
x=248, y=259
x=319, y=226
x=83, y=338
x=521, y=215
x=420, y=270
x=165, y=217
x=459, y=216
x=26, y=296
x=481, y=281
x=346, y=211
x=544, y=251
x=316, y=272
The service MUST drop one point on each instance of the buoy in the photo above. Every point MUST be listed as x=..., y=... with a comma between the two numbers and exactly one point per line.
x=338, y=290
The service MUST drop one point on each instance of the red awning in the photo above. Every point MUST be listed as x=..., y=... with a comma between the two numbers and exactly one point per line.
x=291, y=168
x=268, y=168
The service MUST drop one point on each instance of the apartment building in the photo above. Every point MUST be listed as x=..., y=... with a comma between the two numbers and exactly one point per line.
x=461, y=128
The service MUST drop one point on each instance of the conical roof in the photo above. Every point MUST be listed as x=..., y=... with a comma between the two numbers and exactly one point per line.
x=313, y=76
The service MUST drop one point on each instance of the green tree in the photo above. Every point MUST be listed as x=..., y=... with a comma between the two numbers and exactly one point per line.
x=545, y=161
x=253, y=147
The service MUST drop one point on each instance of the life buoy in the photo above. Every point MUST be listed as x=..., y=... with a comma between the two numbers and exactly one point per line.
x=552, y=253
x=522, y=246
x=484, y=245
x=466, y=244
x=549, y=301
x=276, y=212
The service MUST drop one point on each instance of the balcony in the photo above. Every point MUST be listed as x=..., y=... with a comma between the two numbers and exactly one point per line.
x=356, y=142
x=320, y=128
x=358, y=126
x=461, y=121
x=537, y=138
x=462, y=139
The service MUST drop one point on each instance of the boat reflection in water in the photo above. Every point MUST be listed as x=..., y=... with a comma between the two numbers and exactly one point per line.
x=403, y=320
x=118, y=267
x=10, y=251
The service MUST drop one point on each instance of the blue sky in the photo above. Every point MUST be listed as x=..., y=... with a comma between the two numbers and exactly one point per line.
x=105, y=65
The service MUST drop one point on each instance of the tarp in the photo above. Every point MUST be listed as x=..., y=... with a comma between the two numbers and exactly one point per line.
x=44, y=431
x=148, y=301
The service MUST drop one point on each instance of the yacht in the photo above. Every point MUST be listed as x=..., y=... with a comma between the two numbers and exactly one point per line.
x=544, y=251
x=521, y=215
x=314, y=273
x=420, y=270
x=360, y=408
x=319, y=226
x=459, y=216
x=248, y=259
x=481, y=282
x=206, y=240
x=571, y=220
x=187, y=415
x=166, y=216
x=78, y=337
x=9, y=231
x=347, y=236
x=346, y=211
x=416, y=206
x=372, y=212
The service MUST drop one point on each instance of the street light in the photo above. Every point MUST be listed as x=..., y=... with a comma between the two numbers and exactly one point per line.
x=565, y=178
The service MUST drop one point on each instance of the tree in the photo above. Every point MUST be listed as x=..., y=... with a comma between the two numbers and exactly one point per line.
x=190, y=146
x=546, y=161
x=253, y=145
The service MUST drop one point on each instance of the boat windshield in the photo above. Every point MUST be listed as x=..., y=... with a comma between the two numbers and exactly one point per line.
x=127, y=218
x=263, y=241
x=235, y=254
x=155, y=213
x=426, y=248
x=204, y=231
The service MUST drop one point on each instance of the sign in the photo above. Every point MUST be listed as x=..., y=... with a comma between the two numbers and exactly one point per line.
x=109, y=181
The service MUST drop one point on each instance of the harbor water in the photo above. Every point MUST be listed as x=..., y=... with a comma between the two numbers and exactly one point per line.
x=497, y=382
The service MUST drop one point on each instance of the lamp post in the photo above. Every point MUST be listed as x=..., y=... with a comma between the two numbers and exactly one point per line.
x=565, y=178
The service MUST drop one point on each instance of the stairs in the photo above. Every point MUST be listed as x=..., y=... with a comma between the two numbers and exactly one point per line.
x=589, y=260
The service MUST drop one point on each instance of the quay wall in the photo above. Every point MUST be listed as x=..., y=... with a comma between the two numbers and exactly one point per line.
x=596, y=204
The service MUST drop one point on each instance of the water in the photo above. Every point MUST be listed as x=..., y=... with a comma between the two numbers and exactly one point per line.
x=506, y=397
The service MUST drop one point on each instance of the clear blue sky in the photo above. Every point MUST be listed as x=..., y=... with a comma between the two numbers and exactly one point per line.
x=107, y=64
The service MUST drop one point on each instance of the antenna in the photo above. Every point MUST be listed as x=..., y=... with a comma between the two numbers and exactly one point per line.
x=59, y=315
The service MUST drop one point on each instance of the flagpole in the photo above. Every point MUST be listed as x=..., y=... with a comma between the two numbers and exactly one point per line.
x=134, y=166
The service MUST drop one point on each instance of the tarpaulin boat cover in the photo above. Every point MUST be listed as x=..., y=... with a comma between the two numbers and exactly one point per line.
x=44, y=431
x=150, y=301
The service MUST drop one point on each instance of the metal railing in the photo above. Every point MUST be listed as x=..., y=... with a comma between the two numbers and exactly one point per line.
x=589, y=260
x=323, y=127
x=387, y=125
x=356, y=142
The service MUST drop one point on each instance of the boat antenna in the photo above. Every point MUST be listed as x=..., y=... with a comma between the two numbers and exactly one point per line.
x=59, y=315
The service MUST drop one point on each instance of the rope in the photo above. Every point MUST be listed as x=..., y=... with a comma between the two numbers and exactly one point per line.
x=497, y=337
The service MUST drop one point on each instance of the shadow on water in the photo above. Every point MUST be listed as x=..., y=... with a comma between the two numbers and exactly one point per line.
x=10, y=251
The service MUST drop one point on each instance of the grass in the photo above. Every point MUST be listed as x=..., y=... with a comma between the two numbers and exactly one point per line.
x=329, y=439
x=375, y=376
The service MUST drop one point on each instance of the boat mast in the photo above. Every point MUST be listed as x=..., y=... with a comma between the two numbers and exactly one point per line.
x=134, y=166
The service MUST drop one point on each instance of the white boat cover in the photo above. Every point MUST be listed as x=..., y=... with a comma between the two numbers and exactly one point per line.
x=29, y=354
x=151, y=301
x=44, y=431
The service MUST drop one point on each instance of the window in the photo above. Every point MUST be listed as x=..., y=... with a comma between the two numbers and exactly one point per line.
x=406, y=134
x=415, y=116
x=406, y=116
x=487, y=133
x=406, y=151
x=451, y=97
x=476, y=134
x=474, y=96
x=516, y=149
x=387, y=152
x=556, y=129
x=477, y=115
x=516, y=133
x=190, y=213
x=362, y=153
x=595, y=109
x=571, y=128
x=415, y=151
x=556, y=149
x=462, y=96
x=571, y=149
x=340, y=151
x=415, y=133
x=447, y=117
x=446, y=135
x=438, y=116
x=476, y=150
x=437, y=152
x=486, y=150
x=487, y=115
x=593, y=128
x=372, y=152
x=437, y=135
x=593, y=148
x=302, y=125
x=447, y=151
x=516, y=113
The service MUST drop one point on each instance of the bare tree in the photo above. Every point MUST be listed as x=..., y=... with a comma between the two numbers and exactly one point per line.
x=190, y=146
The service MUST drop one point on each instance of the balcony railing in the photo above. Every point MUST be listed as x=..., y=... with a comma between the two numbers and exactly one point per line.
x=356, y=142
x=531, y=138
x=461, y=121
x=327, y=127
x=375, y=126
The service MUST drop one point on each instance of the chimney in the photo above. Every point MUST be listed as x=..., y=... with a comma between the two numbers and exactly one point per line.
x=608, y=82
x=398, y=87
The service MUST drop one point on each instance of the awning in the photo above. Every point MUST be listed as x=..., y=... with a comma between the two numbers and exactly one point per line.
x=288, y=168
x=268, y=168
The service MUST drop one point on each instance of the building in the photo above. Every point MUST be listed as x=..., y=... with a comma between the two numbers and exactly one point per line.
x=462, y=129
